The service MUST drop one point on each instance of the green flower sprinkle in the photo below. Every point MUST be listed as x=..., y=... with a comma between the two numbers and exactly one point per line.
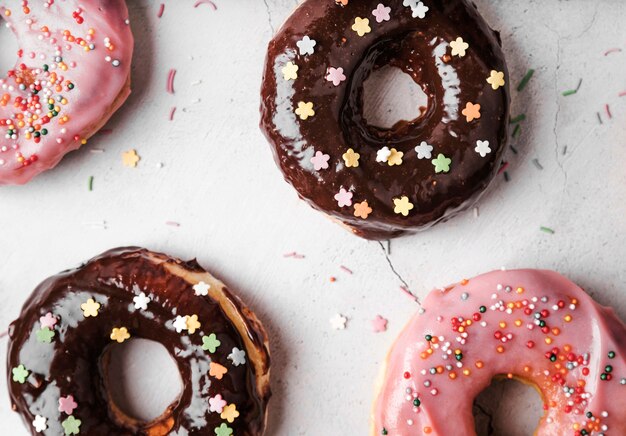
x=20, y=374
x=45, y=335
x=71, y=425
x=223, y=430
x=442, y=164
x=210, y=343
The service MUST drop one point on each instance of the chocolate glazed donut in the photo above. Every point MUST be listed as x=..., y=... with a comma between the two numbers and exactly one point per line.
x=57, y=355
x=380, y=182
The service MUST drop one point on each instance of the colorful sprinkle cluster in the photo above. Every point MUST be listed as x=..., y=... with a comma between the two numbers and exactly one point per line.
x=335, y=75
x=34, y=101
x=566, y=368
x=188, y=323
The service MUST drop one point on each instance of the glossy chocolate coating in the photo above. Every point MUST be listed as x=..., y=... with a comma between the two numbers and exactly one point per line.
x=73, y=364
x=420, y=48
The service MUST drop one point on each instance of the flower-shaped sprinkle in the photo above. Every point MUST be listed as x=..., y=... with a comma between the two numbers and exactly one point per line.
x=471, y=112
x=201, y=289
x=141, y=301
x=379, y=324
x=180, y=323
x=306, y=46
x=216, y=370
x=382, y=13
x=40, y=423
x=216, y=404
x=361, y=26
x=459, y=47
x=20, y=374
x=338, y=322
x=290, y=71
x=90, y=308
x=410, y=3
x=45, y=335
x=482, y=148
x=344, y=198
x=320, y=161
x=237, y=356
x=48, y=320
x=442, y=163
x=305, y=110
x=395, y=157
x=224, y=430
x=71, y=425
x=496, y=79
x=420, y=10
x=119, y=334
x=192, y=324
x=130, y=158
x=424, y=150
x=351, y=158
x=335, y=75
x=383, y=154
x=229, y=413
x=210, y=343
x=402, y=206
x=67, y=404
x=362, y=210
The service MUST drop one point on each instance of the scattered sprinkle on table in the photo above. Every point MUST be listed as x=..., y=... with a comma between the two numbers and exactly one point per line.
x=130, y=158
x=537, y=164
x=338, y=322
x=90, y=183
x=518, y=119
x=525, y=80
x=161, y=10
x=170, y=81
x=573, y=91
x=379, y=324
x=205, y=2
x=547, y=230
x=294, y=255
x=346, y=269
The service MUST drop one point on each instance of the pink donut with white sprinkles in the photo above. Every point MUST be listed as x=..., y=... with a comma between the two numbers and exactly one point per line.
x=530, y=325
x=72, y=73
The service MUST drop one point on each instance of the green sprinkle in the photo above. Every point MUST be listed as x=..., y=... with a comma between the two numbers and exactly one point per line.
x=210, y=343
x=611, y=354
x=20, y=374
x=482, y=309
x=547, y=230
x=417, y=402
x=428, y=338
x=442, y=164
x=91, y=183
x=45, y=335
x=518, y=119
x=525, y=80
x=71, y=425
x=573, y=91
x=516, y=131
x=384, y=432
x=608, y=368
x=223, y=430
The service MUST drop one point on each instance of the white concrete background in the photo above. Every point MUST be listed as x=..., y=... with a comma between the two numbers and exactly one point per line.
x=238, y=217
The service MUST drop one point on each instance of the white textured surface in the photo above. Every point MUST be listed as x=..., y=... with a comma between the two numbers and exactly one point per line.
x=238, y=217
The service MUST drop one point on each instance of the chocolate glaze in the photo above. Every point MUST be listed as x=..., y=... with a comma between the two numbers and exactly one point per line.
x=74, y=363
x=420, y=48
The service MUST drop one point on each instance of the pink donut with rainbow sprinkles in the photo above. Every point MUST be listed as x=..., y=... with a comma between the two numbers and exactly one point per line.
x=530, y=325
x=72, y=73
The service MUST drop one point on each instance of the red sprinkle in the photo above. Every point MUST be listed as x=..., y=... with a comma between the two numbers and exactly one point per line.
x=161, y=10
x=170, y=81
x=172, y=112
x=205, y=2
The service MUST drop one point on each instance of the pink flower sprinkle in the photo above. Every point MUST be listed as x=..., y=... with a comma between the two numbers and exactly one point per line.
x=344, y=198
x=320, y=161
x=335, y=75
x=379, y=324
x=67, y=404
x=216, y=404
x=48, y=320
x=382, y=13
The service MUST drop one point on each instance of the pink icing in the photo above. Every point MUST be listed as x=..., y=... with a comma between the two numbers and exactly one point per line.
x=413, y=401
x=58, y=33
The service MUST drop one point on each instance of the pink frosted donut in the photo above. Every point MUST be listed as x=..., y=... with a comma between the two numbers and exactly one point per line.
x=534, y=326
x=72, y=73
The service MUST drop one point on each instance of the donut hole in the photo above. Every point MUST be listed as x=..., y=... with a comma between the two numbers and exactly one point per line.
x=390, y=96
x=142, y=379
x=497, y=409
x=8, y=42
